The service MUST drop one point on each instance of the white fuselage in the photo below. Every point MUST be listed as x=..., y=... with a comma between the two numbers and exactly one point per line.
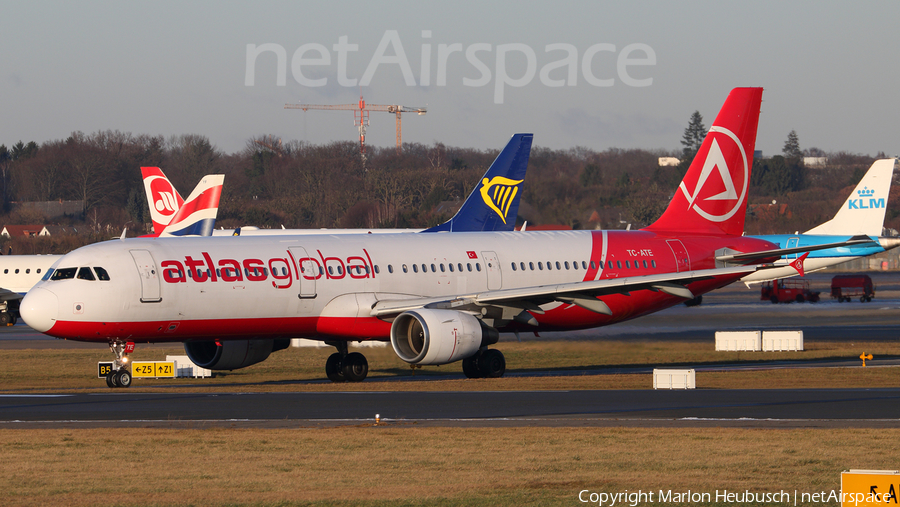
x=245, y=288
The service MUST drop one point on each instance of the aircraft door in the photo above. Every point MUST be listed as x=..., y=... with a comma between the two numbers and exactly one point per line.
x=308, y=274
x=492, y=266
x=682, y=260
x=792, y=243
x=149, y=274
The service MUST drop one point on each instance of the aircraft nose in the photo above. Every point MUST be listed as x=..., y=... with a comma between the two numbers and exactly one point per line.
x=39, y=309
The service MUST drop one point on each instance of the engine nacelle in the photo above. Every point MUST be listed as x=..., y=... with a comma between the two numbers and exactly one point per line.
x=439, y=336
x=232, y=355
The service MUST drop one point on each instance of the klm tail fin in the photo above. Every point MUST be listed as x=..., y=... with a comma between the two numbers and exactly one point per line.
x=198, y=215
x=863, y=212
x=712, y=197
x=162, y=197
x=494, y=204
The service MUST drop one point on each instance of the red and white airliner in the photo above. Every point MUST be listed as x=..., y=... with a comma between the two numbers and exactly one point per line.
x=438, y=298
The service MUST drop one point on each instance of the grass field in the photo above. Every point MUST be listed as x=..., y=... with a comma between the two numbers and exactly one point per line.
x=407, y=465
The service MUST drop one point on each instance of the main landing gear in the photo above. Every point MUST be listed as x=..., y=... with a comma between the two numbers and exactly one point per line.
x=119, y=376
x=346, y=367
x=486, y=363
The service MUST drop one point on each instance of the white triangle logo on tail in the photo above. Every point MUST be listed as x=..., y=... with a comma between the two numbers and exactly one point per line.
x=715, y=159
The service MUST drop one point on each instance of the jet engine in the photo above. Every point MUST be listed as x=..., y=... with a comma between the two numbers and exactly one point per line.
x=231, y=355
x=439, y=336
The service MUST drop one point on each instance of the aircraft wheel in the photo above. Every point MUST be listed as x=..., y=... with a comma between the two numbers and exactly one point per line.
x=868, y=299
x=5, y=319
x=862, y=299
x=333, y=368
x=355, y=367
x=470, y=367
x=111, y=380
x=492, y=364
x=123, y=378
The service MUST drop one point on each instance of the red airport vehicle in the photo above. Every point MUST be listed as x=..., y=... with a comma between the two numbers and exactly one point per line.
x=847, y=287
x=787, y=291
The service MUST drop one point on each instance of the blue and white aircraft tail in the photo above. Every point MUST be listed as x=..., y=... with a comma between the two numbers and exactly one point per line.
x=494, y=206
x=863, y=212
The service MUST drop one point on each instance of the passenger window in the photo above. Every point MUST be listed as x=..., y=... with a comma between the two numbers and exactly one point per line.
x=340, y=270
x=549, y=266
x=469, y=266
x=609, y=264
x=514, y=266
x=27, y=271
x=583, y=265
x=17, y=271
x=432, y=269
x=567, y=265
x=38, y=270
x=405, y=270
x=618, y=264
x=575, y=265
x=378, y=272
x=459, y=266
x=531, y=266
x=644, y=263
x=85, y=274
x=477, y=266
x=64, y=274
x=557, y=265
x=450, y=266
x=593, y=266
x=415, y=268
x=522, y=265
x=6, y=271
x=627, y=265
x=442, y=267
x=541, y=266
x=191, y=273
x=653, y=263
x=330, y=270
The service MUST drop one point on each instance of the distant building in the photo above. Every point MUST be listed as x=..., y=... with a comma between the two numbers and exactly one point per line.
x=757, y=154
x=668, y=161
x=29, y=231
x=815, y=161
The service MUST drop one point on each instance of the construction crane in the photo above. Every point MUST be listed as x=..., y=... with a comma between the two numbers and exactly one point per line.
x=361, y=117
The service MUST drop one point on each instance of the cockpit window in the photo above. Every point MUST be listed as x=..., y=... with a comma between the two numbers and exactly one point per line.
x=64, y=274
x=85, y=274
x=102, y=275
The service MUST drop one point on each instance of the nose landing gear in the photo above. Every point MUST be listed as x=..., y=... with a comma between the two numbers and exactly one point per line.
x=120, y=376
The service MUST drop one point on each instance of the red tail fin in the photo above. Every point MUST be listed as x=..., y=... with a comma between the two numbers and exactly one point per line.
x=712, y=197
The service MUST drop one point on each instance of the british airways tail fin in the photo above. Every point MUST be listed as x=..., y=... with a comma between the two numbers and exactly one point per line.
x=162, y=197
x=494, y=204
x=197, y=217
x=863, y=212
x=712, y=197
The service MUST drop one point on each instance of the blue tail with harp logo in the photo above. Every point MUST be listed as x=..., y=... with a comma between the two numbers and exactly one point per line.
x=494, y=204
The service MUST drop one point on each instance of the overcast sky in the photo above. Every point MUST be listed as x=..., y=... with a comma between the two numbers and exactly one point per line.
x=625, y=74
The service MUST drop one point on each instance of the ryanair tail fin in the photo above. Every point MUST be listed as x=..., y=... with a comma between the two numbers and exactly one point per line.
x=712, y=197
x=494, y=204
x=197, y=217
x=162, y=197
x=863, y=212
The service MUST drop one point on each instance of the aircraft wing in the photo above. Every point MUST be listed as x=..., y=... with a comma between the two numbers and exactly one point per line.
x=750, y=256
x=8, y=295
x=583, y=294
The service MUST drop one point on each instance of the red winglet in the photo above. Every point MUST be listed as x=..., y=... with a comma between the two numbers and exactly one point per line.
x=798, y=264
